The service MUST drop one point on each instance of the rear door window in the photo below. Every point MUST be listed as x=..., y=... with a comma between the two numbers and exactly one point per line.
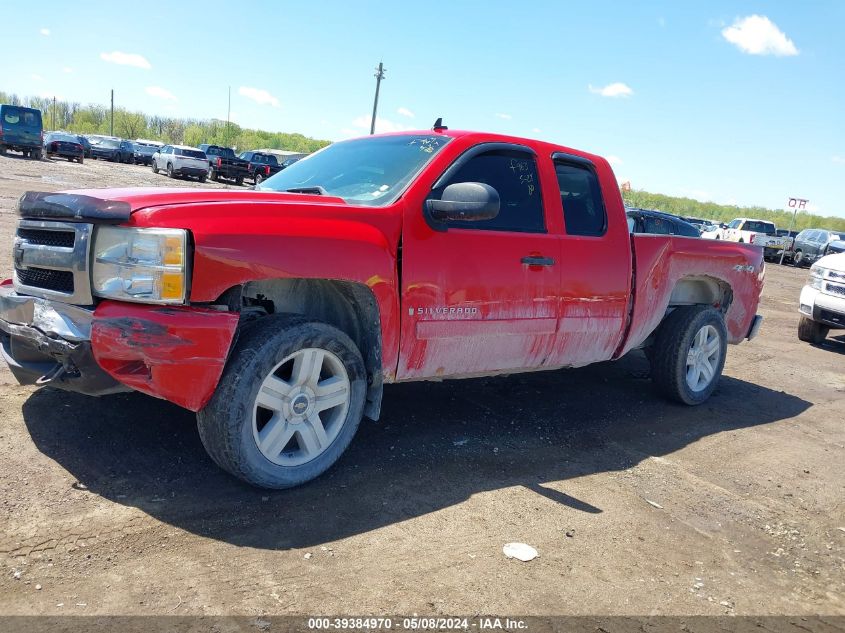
x=580, y=194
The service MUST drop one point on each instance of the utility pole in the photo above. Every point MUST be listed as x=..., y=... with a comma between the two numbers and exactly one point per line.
x=54, y=113
x=111, y=125
x=379, y=76
x=228, y=115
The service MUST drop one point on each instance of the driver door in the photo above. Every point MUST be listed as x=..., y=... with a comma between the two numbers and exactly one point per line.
x=481, y=296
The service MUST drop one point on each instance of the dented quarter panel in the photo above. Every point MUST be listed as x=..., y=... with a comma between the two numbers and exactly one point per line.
x=175, y=353
x=661, y=261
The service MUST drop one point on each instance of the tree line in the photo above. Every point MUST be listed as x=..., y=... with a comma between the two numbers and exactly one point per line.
x=725, y=213
x=96, y=119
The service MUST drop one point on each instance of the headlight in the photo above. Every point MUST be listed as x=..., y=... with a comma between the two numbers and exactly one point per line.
x=817, y=275
x=144, y=265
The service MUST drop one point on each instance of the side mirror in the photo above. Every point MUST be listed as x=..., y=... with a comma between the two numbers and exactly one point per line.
x=465, y=202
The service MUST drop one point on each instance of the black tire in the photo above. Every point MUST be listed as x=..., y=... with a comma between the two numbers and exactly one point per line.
x=798, y=259
x=226, y=423
x=2, y=150
x=70, y=159
x=170, y=172
x=811, y=331
x=201, y=178
x=258, y=179
x=212, y=173
x=154, y=167
x=79, y=160
x=672, y=346
x=239, y=180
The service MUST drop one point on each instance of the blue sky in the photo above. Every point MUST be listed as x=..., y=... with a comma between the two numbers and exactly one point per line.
x=736, y=102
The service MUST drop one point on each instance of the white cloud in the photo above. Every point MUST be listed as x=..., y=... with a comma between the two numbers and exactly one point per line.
x=536, y=130
x=126, y=59
x=617, y=89
x=67, y=69
x=757, y=35
x=504, y=116
x=45, y=32
x=838, y=159
x=37, y=77
x=614, y=161
x=406, y=112
x=259, y=96
x=382, y=125
x=161, y=93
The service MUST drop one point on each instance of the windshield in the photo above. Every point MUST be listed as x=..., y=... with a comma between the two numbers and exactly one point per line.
x=372, y=171
x=109, y=143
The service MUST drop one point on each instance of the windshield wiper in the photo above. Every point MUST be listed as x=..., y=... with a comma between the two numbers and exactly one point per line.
x=319, y=191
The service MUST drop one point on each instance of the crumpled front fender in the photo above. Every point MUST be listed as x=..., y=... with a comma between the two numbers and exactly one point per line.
x=174, y=353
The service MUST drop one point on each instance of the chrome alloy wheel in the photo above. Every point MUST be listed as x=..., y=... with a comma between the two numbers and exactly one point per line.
x=703, y=358
x=301, y=407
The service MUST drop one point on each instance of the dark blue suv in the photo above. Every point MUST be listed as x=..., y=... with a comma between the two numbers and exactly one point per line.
x=21, y=130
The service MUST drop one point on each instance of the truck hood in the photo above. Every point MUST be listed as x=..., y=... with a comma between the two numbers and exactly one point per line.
x=833, y=262
x=143, y=197
x=119, y=205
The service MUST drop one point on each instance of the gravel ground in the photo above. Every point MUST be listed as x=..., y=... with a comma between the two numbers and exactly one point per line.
x=636, y=506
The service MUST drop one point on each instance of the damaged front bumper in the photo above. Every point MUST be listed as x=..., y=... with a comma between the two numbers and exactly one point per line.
x=47, y=342
x=174, y=353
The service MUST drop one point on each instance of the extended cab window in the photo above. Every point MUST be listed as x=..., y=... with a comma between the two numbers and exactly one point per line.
x=766, y=228
x=583, y=207
x=513, y=174
x=735, y=224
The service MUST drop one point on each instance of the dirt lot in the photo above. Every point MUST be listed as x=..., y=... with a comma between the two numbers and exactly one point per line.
x=110, y=506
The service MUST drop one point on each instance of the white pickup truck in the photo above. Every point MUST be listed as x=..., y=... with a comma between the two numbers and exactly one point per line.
x=773, y=245
x=744, y=230
x=822, y=302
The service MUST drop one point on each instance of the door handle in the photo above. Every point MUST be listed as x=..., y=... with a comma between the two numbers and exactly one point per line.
x=538, y=261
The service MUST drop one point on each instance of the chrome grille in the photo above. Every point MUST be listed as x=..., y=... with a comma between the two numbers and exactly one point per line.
x=56, y=280
x=51, y=260
x=834, y=288
x=43, y=237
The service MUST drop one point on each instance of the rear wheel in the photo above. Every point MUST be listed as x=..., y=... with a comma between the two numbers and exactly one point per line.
x=213, y=174
x=202, y=178
x=811, y=331
x=798, y=258
x=80, y=160
x=288, y=404
x=258, y=179
x=239, y=180
x=689, y=354
x=170, y=172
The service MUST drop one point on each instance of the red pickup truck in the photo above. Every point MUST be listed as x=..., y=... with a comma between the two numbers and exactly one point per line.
x=279, y=314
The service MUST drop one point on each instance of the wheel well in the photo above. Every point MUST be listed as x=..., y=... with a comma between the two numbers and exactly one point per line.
x=350, y=307
x=701, y=291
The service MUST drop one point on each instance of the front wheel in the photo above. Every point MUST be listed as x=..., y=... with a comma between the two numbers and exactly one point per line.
x=811, y=331
x=154, y=167
x=798, y=258
x=289, y=402
x=170, y=172
x=689, y=354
